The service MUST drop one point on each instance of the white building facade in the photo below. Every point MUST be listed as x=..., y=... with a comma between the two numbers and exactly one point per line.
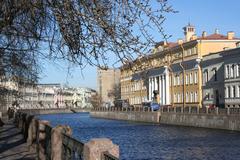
x=221, y=78
x=232, y=77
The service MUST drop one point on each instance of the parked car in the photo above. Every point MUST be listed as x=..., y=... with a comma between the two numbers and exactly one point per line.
x=152, y=105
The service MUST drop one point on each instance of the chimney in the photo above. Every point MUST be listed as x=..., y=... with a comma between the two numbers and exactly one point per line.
x=204, y=34
x=230, y=35
x=216, y=31
x=180, y=41
x=194, y=37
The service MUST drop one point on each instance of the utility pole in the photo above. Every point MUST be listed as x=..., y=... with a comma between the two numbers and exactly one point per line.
x=183, y=77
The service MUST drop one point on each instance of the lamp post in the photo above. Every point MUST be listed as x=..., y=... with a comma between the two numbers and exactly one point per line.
x=183, y=77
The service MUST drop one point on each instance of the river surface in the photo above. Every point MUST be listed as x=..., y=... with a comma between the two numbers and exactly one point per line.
x=144, y=141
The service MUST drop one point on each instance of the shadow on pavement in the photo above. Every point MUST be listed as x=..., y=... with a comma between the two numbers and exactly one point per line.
x=6, y=147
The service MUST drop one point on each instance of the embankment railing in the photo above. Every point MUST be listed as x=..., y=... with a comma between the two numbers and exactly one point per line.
x=176, y=109
x=56, y=143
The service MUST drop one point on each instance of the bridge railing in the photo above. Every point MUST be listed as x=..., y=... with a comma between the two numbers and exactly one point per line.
x=72, y=148
x=176, y=109
x=57, y=143
x=205, y=110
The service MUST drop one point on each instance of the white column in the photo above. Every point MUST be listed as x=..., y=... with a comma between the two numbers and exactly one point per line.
x=149, y=89
x=226, y=92
x=159, y=89
x=152, y=88
x=167, y=86
x=155, y=83
x=164, y=94
x=237, y=91
x=237, y=70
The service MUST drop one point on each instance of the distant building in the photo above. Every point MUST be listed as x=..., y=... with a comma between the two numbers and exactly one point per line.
x=38, y=95
x=108, y=84
x=8, y=93
x=213, y=80
x=82, y=97
x=232, y=77
x=221, y=78
x=73, y=97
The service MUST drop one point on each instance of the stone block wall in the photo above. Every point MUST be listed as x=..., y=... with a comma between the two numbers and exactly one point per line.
x=152, y=117
x=228, y=122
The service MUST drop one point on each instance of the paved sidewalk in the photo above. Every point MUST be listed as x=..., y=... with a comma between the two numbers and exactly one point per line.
x=12, y=144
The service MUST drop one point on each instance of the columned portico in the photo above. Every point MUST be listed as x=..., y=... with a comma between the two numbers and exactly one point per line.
x=161, y=84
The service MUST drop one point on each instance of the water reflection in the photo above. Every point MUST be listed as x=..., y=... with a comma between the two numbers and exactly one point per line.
x=147, y=141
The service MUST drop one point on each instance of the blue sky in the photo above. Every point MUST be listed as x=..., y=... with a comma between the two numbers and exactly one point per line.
x=205, y=15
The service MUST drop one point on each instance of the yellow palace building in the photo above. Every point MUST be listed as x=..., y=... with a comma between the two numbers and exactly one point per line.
x=173, y=70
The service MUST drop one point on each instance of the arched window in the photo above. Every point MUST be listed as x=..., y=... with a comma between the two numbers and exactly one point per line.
x=232, y=71
x=195, y=78
x=215, y=73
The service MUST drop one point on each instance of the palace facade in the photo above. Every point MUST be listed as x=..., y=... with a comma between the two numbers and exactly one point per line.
x=173, y=69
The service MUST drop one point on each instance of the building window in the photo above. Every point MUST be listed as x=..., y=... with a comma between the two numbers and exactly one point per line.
x=193, y=51
x=195, y=78
x=196, y=97
x=205, y=73
x=186, y=78
x=215, y=73
x=187, y=97
x=178, y=80
x=207, y=96
x=189, y=52
x=227, y=72
x=232, y=71
x=229, y=91
x=179, y=98
x=191, y=78
x=191, y=96
x=175, y=81
x=234, y=91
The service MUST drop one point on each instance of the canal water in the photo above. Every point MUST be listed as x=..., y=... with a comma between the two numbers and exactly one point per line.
x=144, y=141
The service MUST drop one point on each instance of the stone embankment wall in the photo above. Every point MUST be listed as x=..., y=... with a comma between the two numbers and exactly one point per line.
x=152, y=117
x=53, y=111
x=228, y=119
x=228, y=122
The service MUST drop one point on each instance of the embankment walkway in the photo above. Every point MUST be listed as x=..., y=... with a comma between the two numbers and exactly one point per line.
x=13, y=145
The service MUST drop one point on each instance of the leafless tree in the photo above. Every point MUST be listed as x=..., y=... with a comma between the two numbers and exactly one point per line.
x=80, y=31
x=83, y=32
